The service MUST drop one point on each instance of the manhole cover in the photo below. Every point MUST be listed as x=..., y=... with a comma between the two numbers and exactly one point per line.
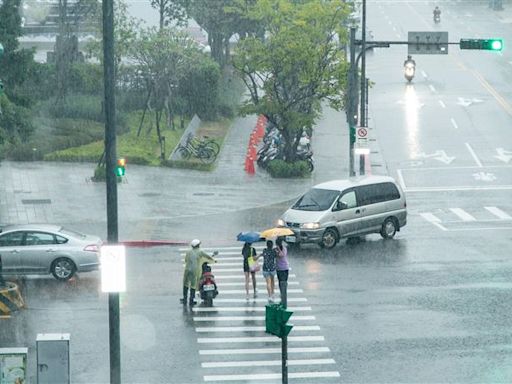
x=36, y=201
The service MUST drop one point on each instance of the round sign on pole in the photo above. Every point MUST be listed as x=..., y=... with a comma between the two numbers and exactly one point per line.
x=362, y=132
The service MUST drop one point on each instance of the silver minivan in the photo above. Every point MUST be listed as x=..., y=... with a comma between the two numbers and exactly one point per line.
x=340, y=209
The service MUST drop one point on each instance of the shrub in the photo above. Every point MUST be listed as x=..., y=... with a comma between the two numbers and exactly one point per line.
x=24, y=152
x=282, y=169
x=78, y=107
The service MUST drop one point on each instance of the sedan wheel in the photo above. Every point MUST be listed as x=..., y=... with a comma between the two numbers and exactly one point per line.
x=63, y=269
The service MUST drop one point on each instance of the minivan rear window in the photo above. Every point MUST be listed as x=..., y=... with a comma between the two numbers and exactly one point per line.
x=377, y=193
x=316, y=200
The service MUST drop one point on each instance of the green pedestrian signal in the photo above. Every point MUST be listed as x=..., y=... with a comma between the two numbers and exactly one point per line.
x=276, y=317
x=121, y=167
x=482, y=44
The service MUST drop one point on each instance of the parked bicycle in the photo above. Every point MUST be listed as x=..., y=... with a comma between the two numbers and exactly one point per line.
x=206, y=150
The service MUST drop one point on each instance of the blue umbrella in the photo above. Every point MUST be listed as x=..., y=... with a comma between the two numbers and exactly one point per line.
x=248, y=237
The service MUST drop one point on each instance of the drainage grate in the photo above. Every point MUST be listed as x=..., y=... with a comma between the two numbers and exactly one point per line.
x=36, y=201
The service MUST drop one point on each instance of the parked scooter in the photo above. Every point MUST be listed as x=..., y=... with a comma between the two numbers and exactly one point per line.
x=306, y=155
x=207, y=286
x=409, y=68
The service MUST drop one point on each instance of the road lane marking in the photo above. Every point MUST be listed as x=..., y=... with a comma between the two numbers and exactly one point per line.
x=265, y=363
x=241, y=284
x=462, y=214
x=261, y=351
x=256, y=339
x=431, y=218
x=271, y=376
x=241, y=276
x=460, y=188
x=249, y=318
x=500, y=99
x=424, y=74
x=253, y=329
x=239, y=309
x=242, y=291
x=480, y=229
x=432, y=88
x=454, y=123
x=499, y=213
x=475, y=157
x=442, y=103
x=259, y=299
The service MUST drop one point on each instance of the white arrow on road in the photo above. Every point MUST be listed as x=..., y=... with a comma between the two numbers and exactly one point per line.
x=464, y=102
x=438, y=155
x=484, y=176
x=503, y=155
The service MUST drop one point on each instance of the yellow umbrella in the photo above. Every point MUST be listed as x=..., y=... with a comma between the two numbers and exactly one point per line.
x=276, y=232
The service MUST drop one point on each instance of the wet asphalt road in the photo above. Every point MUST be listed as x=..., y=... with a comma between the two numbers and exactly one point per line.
x=432, y=305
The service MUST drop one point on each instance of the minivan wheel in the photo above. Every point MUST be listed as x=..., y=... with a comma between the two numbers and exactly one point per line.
x=329, y=238
x=63, y=269
x=389, y=229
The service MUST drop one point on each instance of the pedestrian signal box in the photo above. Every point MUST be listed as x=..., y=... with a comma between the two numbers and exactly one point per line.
x=276, y=318
x=121, y=167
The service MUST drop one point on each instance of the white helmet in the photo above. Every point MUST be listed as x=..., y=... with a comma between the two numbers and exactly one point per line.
x=195, y=243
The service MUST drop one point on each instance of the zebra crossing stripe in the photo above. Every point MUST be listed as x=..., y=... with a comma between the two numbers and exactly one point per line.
x=259, y=300
x=248, y=318
x=242, y=309
x=242, y=291
x=241, y=283
x=261, y=351
x=433, y=220
x=271, y=376
x=256, y=339
x=241, y=276
x=462, y=214
x=499, y=213
x=265, y=363
x=296, y=328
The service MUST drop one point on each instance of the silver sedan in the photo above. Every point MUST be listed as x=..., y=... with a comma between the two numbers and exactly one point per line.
x=43, y=249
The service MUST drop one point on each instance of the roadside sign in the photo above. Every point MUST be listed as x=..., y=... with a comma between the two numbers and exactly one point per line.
x=427, y=43
x=361, y=144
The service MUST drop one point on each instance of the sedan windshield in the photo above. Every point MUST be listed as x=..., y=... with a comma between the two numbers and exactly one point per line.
x=316, y=200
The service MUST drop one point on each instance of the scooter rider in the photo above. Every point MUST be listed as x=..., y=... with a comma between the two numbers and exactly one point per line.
x=437, y=12
x=194, y=259
x=409, y=60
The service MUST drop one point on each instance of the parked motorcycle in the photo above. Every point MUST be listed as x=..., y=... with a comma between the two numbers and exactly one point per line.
x=207, y=286
x=437, y=15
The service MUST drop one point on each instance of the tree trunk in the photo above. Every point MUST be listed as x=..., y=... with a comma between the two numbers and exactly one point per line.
x=215, y=41
x=162, y=16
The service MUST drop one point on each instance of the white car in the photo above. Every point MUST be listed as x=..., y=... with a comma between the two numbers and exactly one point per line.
x=43, y=249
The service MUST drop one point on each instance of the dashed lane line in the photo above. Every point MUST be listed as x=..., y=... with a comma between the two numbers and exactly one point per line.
x=454, y=123
x=473, y=154
x=443, y=105
x=432, y=88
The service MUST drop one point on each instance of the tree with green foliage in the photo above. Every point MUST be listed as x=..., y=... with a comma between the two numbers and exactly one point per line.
x=222, y=19
x=162, y=58
x=296, y=67
x=171, y=12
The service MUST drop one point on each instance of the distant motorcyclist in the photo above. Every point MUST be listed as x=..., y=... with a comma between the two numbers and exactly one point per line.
x=437, y=13
x=409, y=60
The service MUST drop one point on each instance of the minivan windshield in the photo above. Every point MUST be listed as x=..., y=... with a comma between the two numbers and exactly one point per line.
x=316, y=200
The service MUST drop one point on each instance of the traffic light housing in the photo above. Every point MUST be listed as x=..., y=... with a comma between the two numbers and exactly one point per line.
x=121, y=167
x=352, y=135
x=483, y=44
x=276, y=318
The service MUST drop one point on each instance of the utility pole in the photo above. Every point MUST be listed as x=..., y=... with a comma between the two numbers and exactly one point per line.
x=111, y=180
x=362, y=113
x=352, y=100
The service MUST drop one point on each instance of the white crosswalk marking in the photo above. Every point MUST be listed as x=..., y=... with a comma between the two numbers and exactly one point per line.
x=499, y=213
x=462, y=214
x=236, y=321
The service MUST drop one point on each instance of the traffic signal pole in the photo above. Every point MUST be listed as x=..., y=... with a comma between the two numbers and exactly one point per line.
x=111, y=180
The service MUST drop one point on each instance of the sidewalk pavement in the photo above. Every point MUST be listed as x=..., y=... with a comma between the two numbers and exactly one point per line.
x=44, y=192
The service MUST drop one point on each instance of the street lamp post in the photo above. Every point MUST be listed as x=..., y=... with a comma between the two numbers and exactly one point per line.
x=362, y=114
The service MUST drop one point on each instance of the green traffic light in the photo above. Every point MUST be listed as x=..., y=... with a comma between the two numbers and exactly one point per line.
x=120, y=171
x=496, y=45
